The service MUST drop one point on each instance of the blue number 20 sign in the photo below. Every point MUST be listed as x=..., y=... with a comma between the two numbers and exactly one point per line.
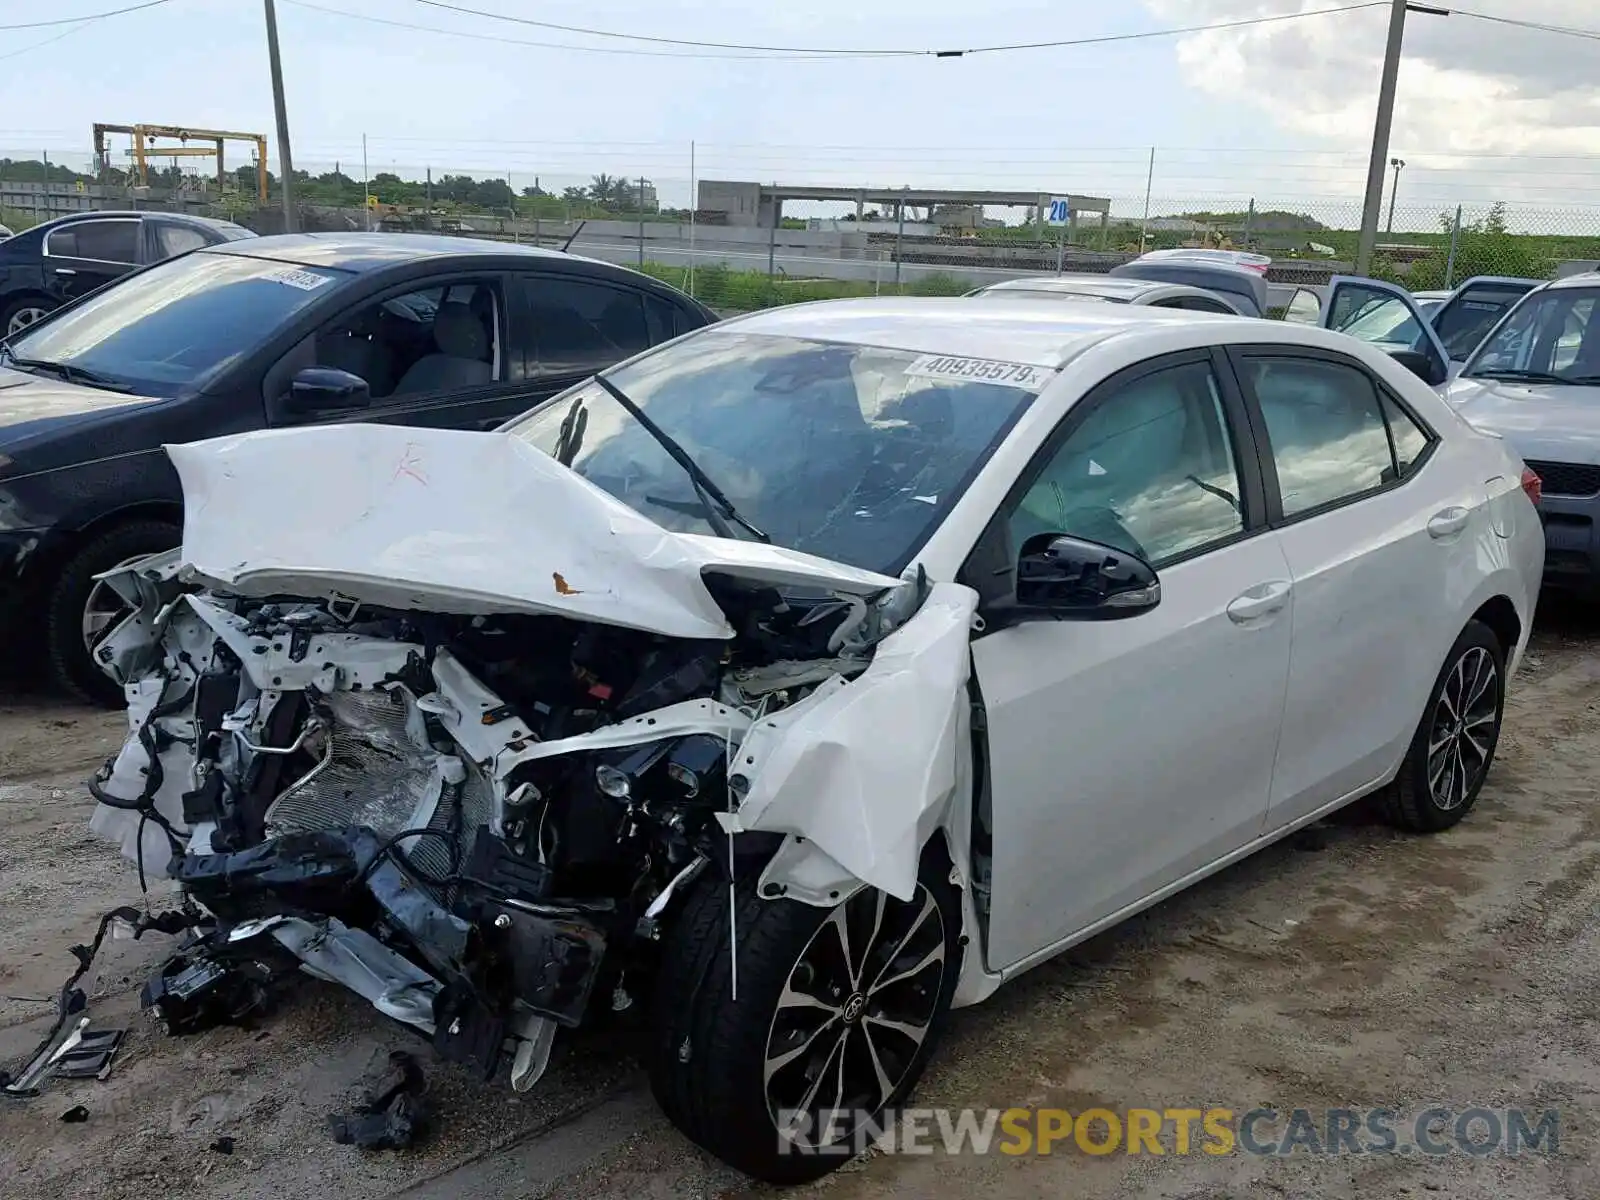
x=1060, y=212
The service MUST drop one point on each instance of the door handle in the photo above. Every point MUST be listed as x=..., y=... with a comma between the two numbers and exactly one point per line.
x=1448, y=522
x=65, y=271
x=1260, y=601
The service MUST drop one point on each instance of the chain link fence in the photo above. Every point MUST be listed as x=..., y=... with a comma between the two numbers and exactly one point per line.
x=827, y=250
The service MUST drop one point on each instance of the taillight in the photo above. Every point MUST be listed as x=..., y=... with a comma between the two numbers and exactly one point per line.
x=1532, y=484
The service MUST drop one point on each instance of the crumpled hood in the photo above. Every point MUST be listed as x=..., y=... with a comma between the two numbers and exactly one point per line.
x=1552, y=422
x=457, y=522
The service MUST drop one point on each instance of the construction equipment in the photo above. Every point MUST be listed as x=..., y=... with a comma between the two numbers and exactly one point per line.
x=143, y=149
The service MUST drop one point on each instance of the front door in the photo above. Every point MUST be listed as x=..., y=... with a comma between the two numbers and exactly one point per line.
x=1126, y=754
x=1387, y=317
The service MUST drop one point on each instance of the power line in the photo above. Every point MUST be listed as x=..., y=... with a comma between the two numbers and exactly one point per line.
x=85, y=18
x=1568, y=30
x=40, y=45
x=904, y=52
x=505, y=41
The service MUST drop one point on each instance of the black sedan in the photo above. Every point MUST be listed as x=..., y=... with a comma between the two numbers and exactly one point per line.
x=55, y=263
x=265, y=333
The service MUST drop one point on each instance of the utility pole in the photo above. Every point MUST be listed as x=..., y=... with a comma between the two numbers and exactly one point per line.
x=285, y=162
x=1372, y=202
x=1394, y=190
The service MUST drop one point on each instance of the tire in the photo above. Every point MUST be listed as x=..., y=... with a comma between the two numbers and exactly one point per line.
x=72, y=668
x=1427, y=797
x=709, y=1061
x=20, y=307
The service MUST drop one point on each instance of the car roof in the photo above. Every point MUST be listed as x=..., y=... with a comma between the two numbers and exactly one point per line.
x=131, y=214
x=360, y=252
x=1037, y=332
x=1112, y=288
x=1586, y=279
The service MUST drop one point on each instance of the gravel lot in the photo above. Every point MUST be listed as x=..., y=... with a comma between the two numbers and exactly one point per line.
x=1350, y=967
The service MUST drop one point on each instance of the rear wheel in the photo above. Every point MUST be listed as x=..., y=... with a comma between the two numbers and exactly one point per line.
x=838, y=1012
x=1450, y=755
x=80, y=610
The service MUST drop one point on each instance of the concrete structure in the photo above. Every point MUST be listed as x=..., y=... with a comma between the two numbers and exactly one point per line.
x=46, y=201
x=761, y=204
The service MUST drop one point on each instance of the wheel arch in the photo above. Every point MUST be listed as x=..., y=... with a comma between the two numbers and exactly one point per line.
x=1500, y=614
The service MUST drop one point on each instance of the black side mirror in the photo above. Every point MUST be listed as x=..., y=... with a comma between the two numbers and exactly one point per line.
x=1423, y=366
x=316, y=390
x=1070, y=578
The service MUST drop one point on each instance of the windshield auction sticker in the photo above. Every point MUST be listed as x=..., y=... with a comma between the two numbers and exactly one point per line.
x=978, y=370
x=304, y=280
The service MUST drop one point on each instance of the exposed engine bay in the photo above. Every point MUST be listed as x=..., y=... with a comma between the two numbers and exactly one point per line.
x=479, y=820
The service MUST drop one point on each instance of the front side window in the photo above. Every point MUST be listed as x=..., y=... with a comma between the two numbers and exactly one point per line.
x=438, y=339
x=97, y=241
x=1149, y=470
x=1326, y=425
x=1377, y=317
x=581, y=326
x=1552, y=336
x=853, y=453
x=172, y=328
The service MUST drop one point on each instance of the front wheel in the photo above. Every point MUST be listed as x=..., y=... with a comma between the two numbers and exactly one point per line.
x=837, y=1013
x=1454, y=745
x=80, y=610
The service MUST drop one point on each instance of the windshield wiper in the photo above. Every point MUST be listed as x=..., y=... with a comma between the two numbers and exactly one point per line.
x=1526, y=376
x=66, y=371
x=705, y=487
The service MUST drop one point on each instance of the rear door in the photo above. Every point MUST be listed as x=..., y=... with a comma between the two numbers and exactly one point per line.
x=1384, y=316
x=81, y=256
x=1380, y=531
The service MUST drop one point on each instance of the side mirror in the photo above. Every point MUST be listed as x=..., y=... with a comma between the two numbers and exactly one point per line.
x=1070, y=578
x=1423, y=366
x=316, y=390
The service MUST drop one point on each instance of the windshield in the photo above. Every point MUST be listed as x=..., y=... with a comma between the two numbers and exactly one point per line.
x=1553, y=336
x=853, y=453
x=171, y=329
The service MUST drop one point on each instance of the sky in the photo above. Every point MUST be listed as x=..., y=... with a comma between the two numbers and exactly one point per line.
x=1278, y=112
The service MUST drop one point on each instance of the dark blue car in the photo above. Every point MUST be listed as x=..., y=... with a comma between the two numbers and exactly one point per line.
x=265, y=333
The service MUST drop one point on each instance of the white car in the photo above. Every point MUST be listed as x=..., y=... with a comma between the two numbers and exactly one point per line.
x=803, y=678
x=1110, y=289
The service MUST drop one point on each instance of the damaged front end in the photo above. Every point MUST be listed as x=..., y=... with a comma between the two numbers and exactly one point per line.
x=476, y=822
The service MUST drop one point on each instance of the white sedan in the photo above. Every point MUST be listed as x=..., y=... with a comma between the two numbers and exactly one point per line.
x=803, y=678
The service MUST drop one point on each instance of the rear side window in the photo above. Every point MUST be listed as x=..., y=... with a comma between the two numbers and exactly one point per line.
x=178, y=239
x=99, y=241
x=1325, y=420
x=580, y=326
x=1410, y=442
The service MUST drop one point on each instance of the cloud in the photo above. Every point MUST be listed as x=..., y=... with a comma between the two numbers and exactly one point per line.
x=1467, y=87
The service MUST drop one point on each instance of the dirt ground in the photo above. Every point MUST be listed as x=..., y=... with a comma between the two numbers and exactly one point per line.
x=1349, y=967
